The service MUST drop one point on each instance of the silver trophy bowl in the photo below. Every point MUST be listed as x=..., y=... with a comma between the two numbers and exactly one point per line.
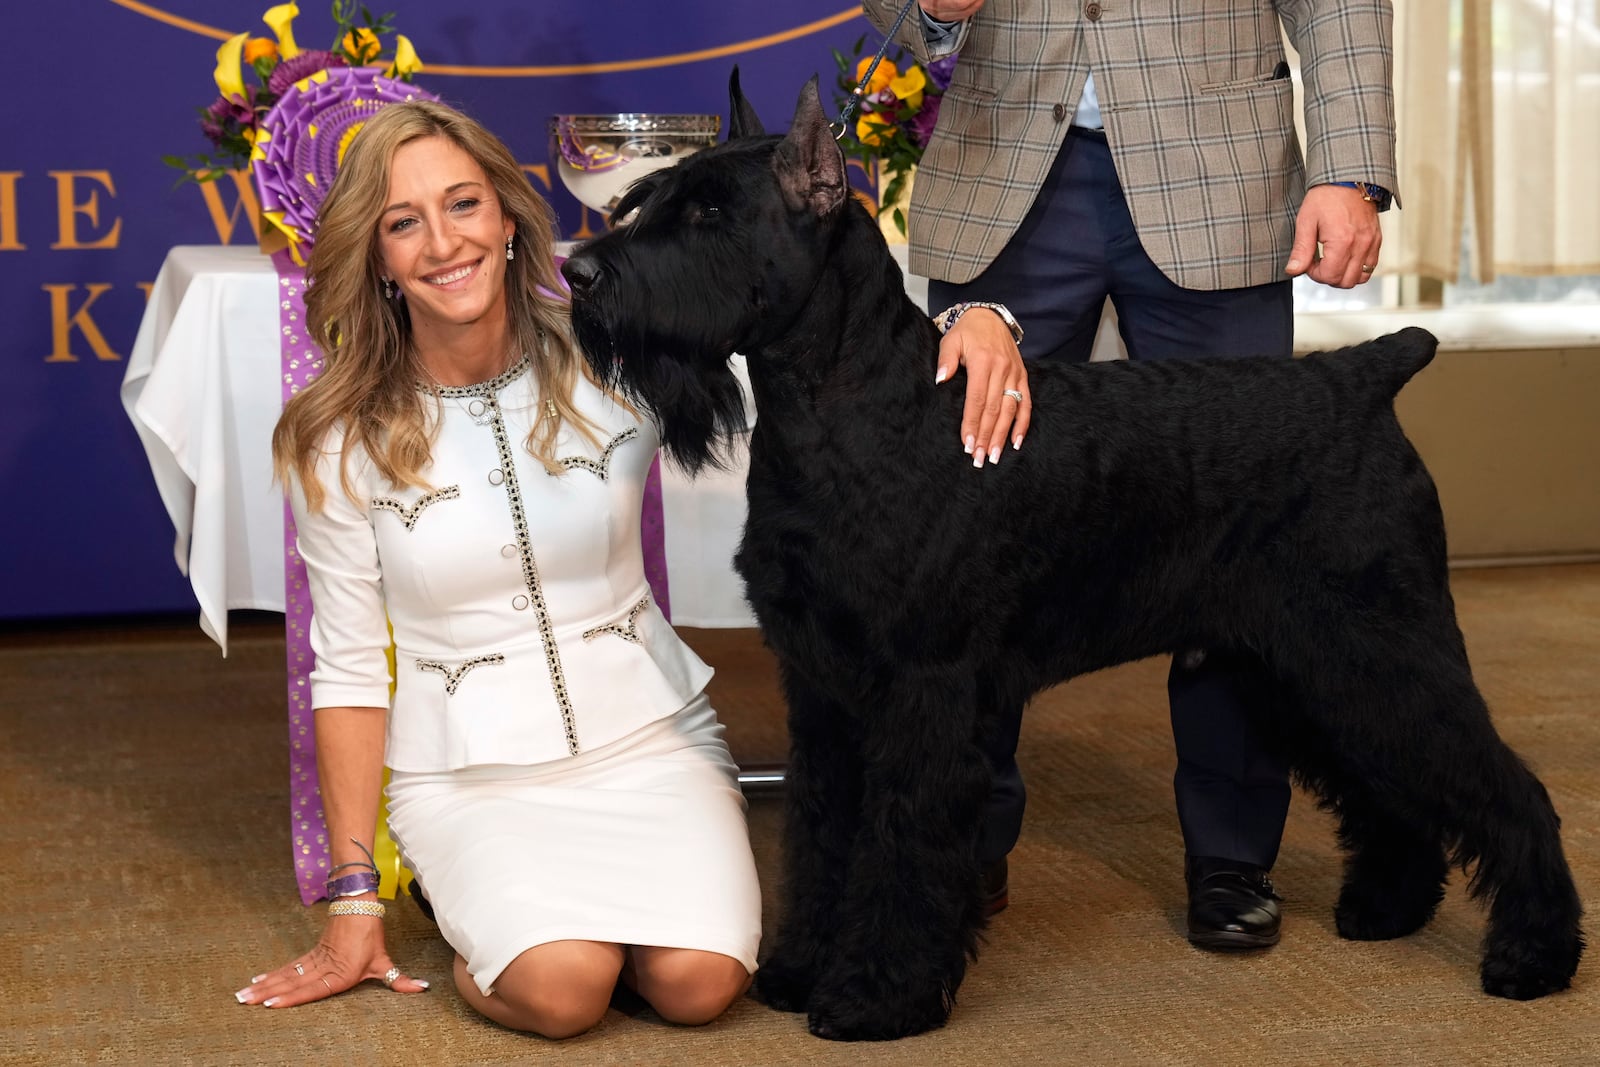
x=599, y=156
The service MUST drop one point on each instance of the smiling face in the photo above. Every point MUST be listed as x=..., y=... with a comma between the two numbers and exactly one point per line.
x=442, y=239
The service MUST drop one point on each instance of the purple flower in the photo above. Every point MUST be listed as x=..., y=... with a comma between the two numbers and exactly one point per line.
x=920, y=126
x=223, y=109
x=303, y=65
x=940, y=71
x=213, y=132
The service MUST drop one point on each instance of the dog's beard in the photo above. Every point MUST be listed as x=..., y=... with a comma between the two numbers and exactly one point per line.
x=692, y=396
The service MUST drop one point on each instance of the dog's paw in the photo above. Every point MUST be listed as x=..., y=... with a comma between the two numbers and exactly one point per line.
x=859, y=1019
x=1519, y=971
x=1361, y=917
x=782, y=987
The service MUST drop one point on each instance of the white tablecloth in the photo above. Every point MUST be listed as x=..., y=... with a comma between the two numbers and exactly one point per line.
x=203, y=390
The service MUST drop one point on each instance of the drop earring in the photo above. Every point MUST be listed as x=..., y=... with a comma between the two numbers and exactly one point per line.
x=511, y=253
x=388, y=290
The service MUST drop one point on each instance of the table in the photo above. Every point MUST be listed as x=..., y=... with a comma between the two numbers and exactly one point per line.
x=203, y=390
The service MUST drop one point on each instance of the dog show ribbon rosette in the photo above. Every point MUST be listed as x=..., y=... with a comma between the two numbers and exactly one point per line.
x=297, y=155
x=303, y=141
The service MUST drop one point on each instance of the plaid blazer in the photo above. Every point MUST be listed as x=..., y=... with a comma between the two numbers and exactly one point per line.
x=1198, y=113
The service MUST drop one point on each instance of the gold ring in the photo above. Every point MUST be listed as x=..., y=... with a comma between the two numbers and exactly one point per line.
x=326, y=982
x=1366, y=269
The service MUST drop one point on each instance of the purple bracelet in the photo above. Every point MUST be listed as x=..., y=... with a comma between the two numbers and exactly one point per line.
x=351, y=885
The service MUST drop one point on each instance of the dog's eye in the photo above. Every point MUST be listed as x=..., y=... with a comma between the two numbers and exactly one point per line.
x=705, y=213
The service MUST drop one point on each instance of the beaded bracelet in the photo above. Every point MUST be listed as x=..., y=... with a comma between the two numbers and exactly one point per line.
x=947, y=318
x=373, y=908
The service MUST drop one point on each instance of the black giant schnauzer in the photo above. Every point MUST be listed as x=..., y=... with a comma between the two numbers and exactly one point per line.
x=1260, y=506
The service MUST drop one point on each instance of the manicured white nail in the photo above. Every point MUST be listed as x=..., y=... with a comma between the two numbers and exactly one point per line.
x=257, y=978
x=977, y=458
x=941, y=376
x=269, y=1002
x=971, y=440
x=423, y=982
x=994, y=454
x=1016, y=443
x=240, y=996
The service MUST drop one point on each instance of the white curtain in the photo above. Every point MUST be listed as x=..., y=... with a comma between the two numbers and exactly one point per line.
x=1498, y=108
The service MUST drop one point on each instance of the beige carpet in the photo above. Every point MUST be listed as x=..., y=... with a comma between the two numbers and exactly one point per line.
x=142, y=779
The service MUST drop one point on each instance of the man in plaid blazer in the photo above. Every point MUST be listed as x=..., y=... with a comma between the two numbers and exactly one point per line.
x=1145, y=151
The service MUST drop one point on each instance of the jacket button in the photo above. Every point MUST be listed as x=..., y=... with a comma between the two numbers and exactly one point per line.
x=508, y=551
x=1060, y=112
x=519, y=602
x=1092, y=10
x=497, y=476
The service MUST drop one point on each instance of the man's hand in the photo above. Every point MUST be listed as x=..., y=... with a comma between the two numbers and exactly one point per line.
x=951, y=10
x=1346, y=226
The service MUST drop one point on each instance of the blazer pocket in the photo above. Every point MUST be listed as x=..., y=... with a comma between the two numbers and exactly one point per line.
x=1255, y=81
x=453, y=675
x=410, y=513
x=599, y=468
x=627, y=629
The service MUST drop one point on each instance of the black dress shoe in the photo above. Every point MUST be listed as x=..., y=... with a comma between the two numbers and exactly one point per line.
x=1231, y=904
x=996, y=888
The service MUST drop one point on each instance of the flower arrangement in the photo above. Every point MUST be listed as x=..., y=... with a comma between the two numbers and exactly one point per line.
x=899, y=107
x=254, y=72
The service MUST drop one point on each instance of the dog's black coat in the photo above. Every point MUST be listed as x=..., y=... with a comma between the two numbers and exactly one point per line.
x=1262, y=507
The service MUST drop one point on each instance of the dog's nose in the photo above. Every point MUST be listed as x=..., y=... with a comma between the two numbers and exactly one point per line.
x=581, y=273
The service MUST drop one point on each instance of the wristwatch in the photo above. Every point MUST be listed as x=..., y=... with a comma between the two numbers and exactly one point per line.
x=948, y=317
x=1373, y=194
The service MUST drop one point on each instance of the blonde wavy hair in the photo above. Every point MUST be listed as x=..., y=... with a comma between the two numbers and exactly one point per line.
x=369, y=381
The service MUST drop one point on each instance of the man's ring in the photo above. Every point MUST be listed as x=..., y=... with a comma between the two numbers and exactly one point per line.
x=1014, y=394
x=390, y=975
x=1366, y=269
x=298, y=969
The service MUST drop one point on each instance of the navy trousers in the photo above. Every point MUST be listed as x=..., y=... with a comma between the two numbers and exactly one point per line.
x=1076, y=248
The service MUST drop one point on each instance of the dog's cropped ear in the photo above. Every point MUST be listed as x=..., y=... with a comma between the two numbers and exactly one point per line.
x=809, y=164
x=742, y=118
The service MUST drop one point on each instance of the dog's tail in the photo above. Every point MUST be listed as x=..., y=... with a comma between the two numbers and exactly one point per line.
x=1400, y=355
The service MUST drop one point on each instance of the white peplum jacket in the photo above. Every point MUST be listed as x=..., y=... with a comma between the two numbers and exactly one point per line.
x=523, y=628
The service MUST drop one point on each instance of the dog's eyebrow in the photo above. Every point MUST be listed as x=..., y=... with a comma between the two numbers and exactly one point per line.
x=450, y=191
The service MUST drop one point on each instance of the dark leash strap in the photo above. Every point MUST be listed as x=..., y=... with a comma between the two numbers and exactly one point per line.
x=856, y=94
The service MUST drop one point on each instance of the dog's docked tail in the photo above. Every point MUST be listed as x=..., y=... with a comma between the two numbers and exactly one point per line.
x=1398, y=356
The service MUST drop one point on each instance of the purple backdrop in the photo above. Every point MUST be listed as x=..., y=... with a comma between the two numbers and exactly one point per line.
x=88, y=211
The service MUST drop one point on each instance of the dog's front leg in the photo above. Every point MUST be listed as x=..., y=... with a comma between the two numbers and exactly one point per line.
x=822, y=802
x=909, y=917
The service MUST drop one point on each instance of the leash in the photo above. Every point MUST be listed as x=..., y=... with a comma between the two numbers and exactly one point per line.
x=856, y=94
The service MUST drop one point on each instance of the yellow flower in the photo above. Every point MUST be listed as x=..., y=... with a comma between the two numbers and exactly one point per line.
x=881, y=77
x=259, y=48
x=229, y=75
x=909, y=86
x=405, y=62
x=362, y=46
x=870, y=128
x=280, y=18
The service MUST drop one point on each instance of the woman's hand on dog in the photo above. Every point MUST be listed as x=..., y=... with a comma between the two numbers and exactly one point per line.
x=981, y=342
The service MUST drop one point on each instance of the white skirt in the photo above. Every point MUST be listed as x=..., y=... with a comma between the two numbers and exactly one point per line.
x=639, y=842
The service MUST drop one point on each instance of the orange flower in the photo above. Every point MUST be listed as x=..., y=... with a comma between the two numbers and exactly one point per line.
x=362, y=45
x=871, y=127
x=259, y=48
x=881, y=77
